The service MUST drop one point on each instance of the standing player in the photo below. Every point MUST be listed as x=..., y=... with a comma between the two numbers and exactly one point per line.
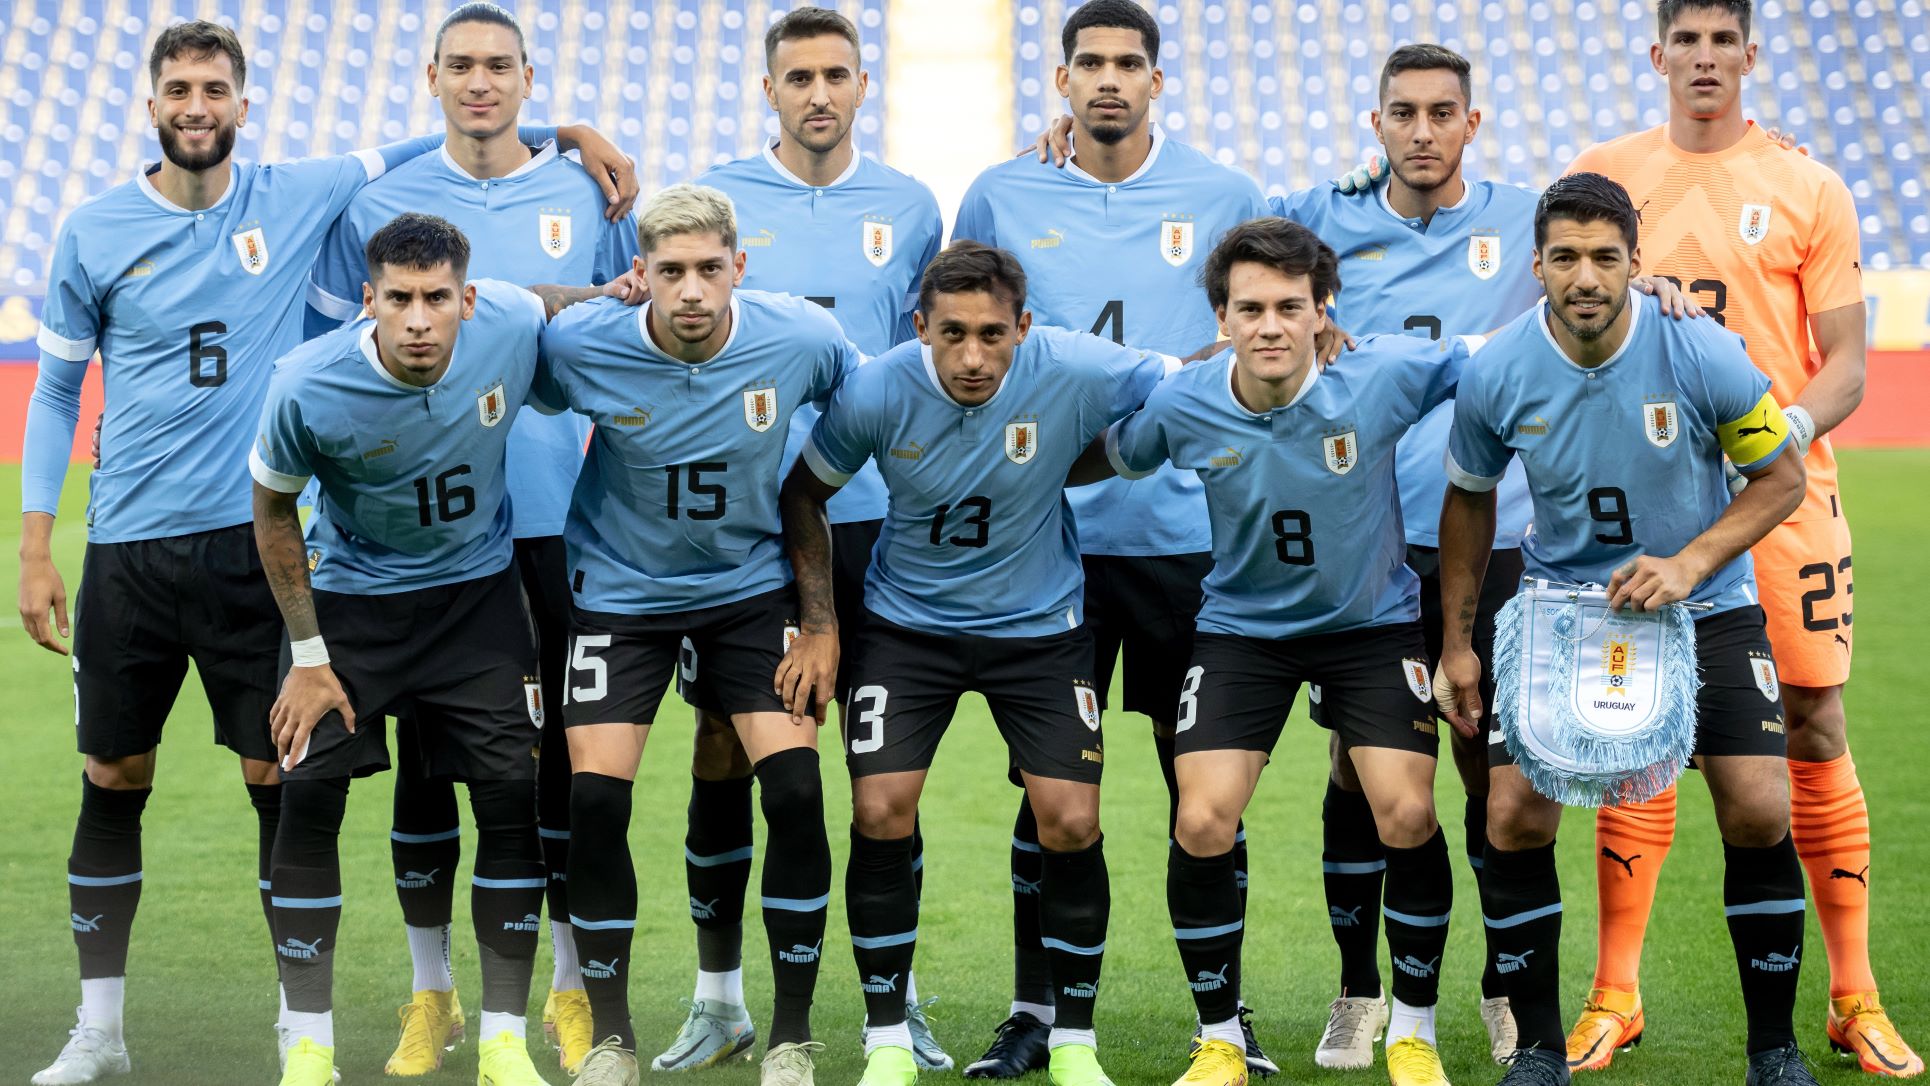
x=196, y=265
x=823, y=222
x=975, y=585
x=1109, y=243
x=1768, y=241
x=1320, y=594
x=672, y=537
x=1622, y=419
x=521, y=208
x=404, y=421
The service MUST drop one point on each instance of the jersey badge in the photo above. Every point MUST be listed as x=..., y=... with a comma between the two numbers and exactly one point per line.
x=760, y=407
x=1659, y=423
x=1418, y=682
x=1176, y=241
x=877, y=242
x=1087, y=699
x=533, y=700
x=1754, y=223
x=251, y=246
x=1764, y=670
x=1021, y=441
x=790, y=635
x=1484, y=255
x=1341, y=451
x=491, y=406
x=553, y=233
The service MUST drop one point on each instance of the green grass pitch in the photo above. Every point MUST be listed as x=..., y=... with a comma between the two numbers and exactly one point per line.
x=201, y=995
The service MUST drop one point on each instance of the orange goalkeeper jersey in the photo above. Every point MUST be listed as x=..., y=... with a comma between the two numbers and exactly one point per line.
x=1759, y=236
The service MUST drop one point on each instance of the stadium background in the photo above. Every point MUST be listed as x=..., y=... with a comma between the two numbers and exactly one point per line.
x=1281, y=89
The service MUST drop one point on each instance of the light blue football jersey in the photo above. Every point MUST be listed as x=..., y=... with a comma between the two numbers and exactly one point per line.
x=1466, y=272
x=1124, y=261
x=978, y=537
x=1622, y=459
x=189, y=310
x=857, y=246
x=411, y=480
x=522, y=229
x=676, y=508
x=1306, y=526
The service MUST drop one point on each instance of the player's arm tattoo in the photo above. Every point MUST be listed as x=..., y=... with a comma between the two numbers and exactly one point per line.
x=558, y=298
x=284, y=560
x=807, y=540
x=1467, y=541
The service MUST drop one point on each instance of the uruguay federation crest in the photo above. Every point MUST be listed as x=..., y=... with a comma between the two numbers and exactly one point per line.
x=1175, y=241
x=1659, y=423
x=1754, y=223
x=1087, y=699
x=1419, y=683
x=1484, y=255
x=760, y=407
x=1021, y=441
x=1341, y=451
x=252, y=247
x=553, y=233
x=1764, y=670
x=877, y=242
x=491, y=406
x=533, y=699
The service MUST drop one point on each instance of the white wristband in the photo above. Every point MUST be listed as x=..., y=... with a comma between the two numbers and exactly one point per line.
x=309, y=653
x=1802, y=427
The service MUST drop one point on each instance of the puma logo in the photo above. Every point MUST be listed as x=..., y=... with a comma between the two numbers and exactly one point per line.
x=704, y=910
x=1510, y=963
x=1344, y=918
x=1843, y=641
x=1859, y=876
x=1628, y=865
x=1765, y=428
x=82, y=924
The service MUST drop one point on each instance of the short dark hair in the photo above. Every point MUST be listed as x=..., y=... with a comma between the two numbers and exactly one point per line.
x=200, y=40
x=1123, y=14
x=809, y=22
x=481, y=11
x=1585, y=198
x=1427, y=57
x=967, y=267
x=1667, y=11
x=1281, y=244
x=422, y=242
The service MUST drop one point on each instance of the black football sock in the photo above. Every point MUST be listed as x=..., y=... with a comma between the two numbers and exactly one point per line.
x=1164, y=747
x=425, y=845
x=266, y=800
x=881, y=907
x=1762, y=896
x=1352, y=864
x=307, y=881
x=104, y=876
x=797, y=885
x=717, y=869
x=506, y=891
x=1521, y=906
x=1075, y=905
x=1204, y=902
x=553, y=814
x=1031, y=969
x=1420, y=894
x=603, y=900
x=1474, y=823
x=918, y=859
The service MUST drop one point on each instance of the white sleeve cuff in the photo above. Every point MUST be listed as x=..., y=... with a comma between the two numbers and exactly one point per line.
x=1473, y=343
x=328, y=305
x=1118, y=463
x=372, y=162
x=1173, y=364
x=1475, y=484
x=272, y=479
x=71, y=350
x=821, y=467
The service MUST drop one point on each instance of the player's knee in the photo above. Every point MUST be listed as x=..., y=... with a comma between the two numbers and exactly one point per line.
x=124, y=774
x=883, y=817
x=1068, y=829
x=1203, y=830
x=1518, y=820
x=1406, y=823
x=1755, y=821
x=716, y=754
x=789, y=787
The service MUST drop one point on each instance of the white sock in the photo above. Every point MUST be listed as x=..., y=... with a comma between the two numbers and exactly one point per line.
x=496, y=1023
x=313, y=1026
x=281, y=1014
x=876, y=1037
x=1228, y=1031
x=1044, y=1012
x=1061, y=1037
x=726, y=987
x=911, y=987
x=1405, y=1021
x=566, y=978
x=100, y=1005
x=429, y=951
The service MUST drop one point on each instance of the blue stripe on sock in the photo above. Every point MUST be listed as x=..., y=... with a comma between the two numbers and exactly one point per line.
x=1061, y=944
x=102, y=880
x=1208, y=933
x=424, y=838
x=918, y=863
x=1239, y=837
x=736, y=855
x=1025, y=846
x=1477, y=862
x=879, y=942
x=600, y=925
x=797, y=904
x=263, y=884
x=1519, y=919
x=1413, y=921
x=508, y=884
x=306, y=902
x=1352, y=868
x=552, y=835
x=1766, y=908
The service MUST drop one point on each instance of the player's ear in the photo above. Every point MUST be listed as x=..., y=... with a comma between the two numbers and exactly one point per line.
x=529, y=80
x=368, y=298
x=1474, y=125
x=864, y=87
x=919, y=326
x=1749, y=58
x=1635, y=262
x=737, y=267
x=1373, y=118
x=1655, y=59
x=1062, y=81
x=430, y=72
x=1024, y=326
x=241, y=118
x=770, y=93
x=468, y=300
x=1159, y=82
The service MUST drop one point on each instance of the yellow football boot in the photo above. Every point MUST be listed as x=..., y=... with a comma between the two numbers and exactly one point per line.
x=432, y=1024
x=1859, y=1027
x=1414, y=1062
x=1611, y=1022
x=1215, y=1063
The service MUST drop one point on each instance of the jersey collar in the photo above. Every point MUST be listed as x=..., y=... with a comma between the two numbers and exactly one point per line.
x=1159, y=141
x=1306, y=386
x=785, y=175
x=148, y=190
x=1467, y=191
x=931, y=371
x=643, y=333
x=1634, y=321
x=366, y=339
x=544, y=155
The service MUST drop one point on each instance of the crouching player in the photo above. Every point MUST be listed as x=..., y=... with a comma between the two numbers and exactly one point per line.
x=414, y=610
x=1309, y=586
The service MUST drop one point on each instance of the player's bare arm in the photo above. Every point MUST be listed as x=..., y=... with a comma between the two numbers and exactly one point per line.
x=807, y=676
x=41, y=589
x=308, y=693
x=1092, y=466
x=1774, y=491
x=1841, y=336
x=1467, y=539
x=613, y=171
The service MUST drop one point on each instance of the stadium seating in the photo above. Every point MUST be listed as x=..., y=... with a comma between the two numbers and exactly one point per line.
x=1283, y=87
x=672, y=83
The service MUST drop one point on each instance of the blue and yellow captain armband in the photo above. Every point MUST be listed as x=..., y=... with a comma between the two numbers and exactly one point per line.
x=1754, y=439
